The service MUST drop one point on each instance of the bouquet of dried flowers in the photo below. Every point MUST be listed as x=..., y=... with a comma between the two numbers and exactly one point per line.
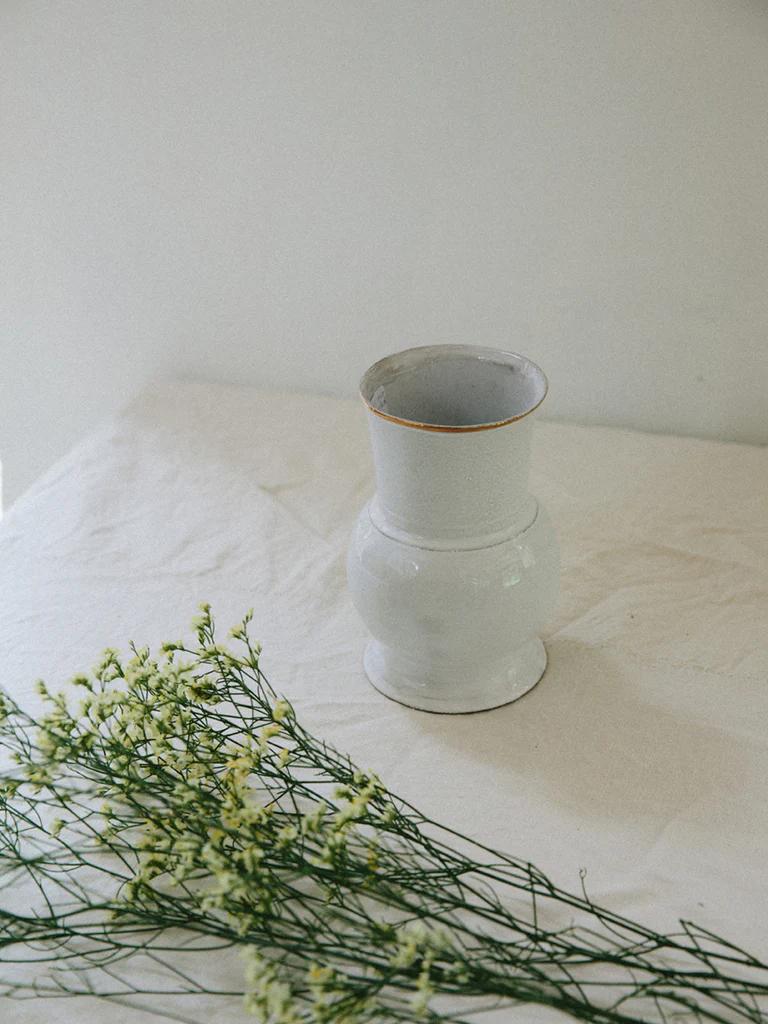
x=178, y=806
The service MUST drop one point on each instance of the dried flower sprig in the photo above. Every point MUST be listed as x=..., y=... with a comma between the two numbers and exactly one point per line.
x=179, y=807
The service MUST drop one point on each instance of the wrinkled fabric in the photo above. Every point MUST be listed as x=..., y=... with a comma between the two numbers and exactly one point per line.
x=640, y=756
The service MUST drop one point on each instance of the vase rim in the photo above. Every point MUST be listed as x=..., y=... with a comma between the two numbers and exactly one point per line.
x=388, y=368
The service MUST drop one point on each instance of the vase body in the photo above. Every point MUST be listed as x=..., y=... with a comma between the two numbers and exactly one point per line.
x=453, y=565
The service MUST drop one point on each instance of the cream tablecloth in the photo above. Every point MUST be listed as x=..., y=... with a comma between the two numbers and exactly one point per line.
x=641, y=755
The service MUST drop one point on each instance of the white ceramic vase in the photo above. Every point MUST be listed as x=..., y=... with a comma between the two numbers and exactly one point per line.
x=453, y=565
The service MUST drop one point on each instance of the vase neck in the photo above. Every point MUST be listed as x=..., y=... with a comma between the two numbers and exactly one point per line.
x=443, y=488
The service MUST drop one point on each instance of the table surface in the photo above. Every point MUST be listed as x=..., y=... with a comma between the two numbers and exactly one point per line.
x=642, y=754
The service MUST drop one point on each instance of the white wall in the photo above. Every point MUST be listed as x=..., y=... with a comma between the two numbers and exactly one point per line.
x=281, y=192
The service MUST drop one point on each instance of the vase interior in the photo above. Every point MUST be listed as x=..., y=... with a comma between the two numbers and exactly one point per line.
x=454, y=386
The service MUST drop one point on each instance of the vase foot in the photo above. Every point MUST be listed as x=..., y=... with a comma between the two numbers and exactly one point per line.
x=452, y=690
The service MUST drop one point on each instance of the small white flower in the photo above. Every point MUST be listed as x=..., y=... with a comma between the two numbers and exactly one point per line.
x=281, y=710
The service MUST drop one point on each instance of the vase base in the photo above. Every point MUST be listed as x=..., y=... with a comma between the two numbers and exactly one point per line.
x=449, y=691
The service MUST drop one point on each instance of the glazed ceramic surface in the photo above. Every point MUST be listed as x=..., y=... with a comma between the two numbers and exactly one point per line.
x=453, y=565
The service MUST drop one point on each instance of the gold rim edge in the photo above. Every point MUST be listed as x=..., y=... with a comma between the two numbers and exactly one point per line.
x=437, y=428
